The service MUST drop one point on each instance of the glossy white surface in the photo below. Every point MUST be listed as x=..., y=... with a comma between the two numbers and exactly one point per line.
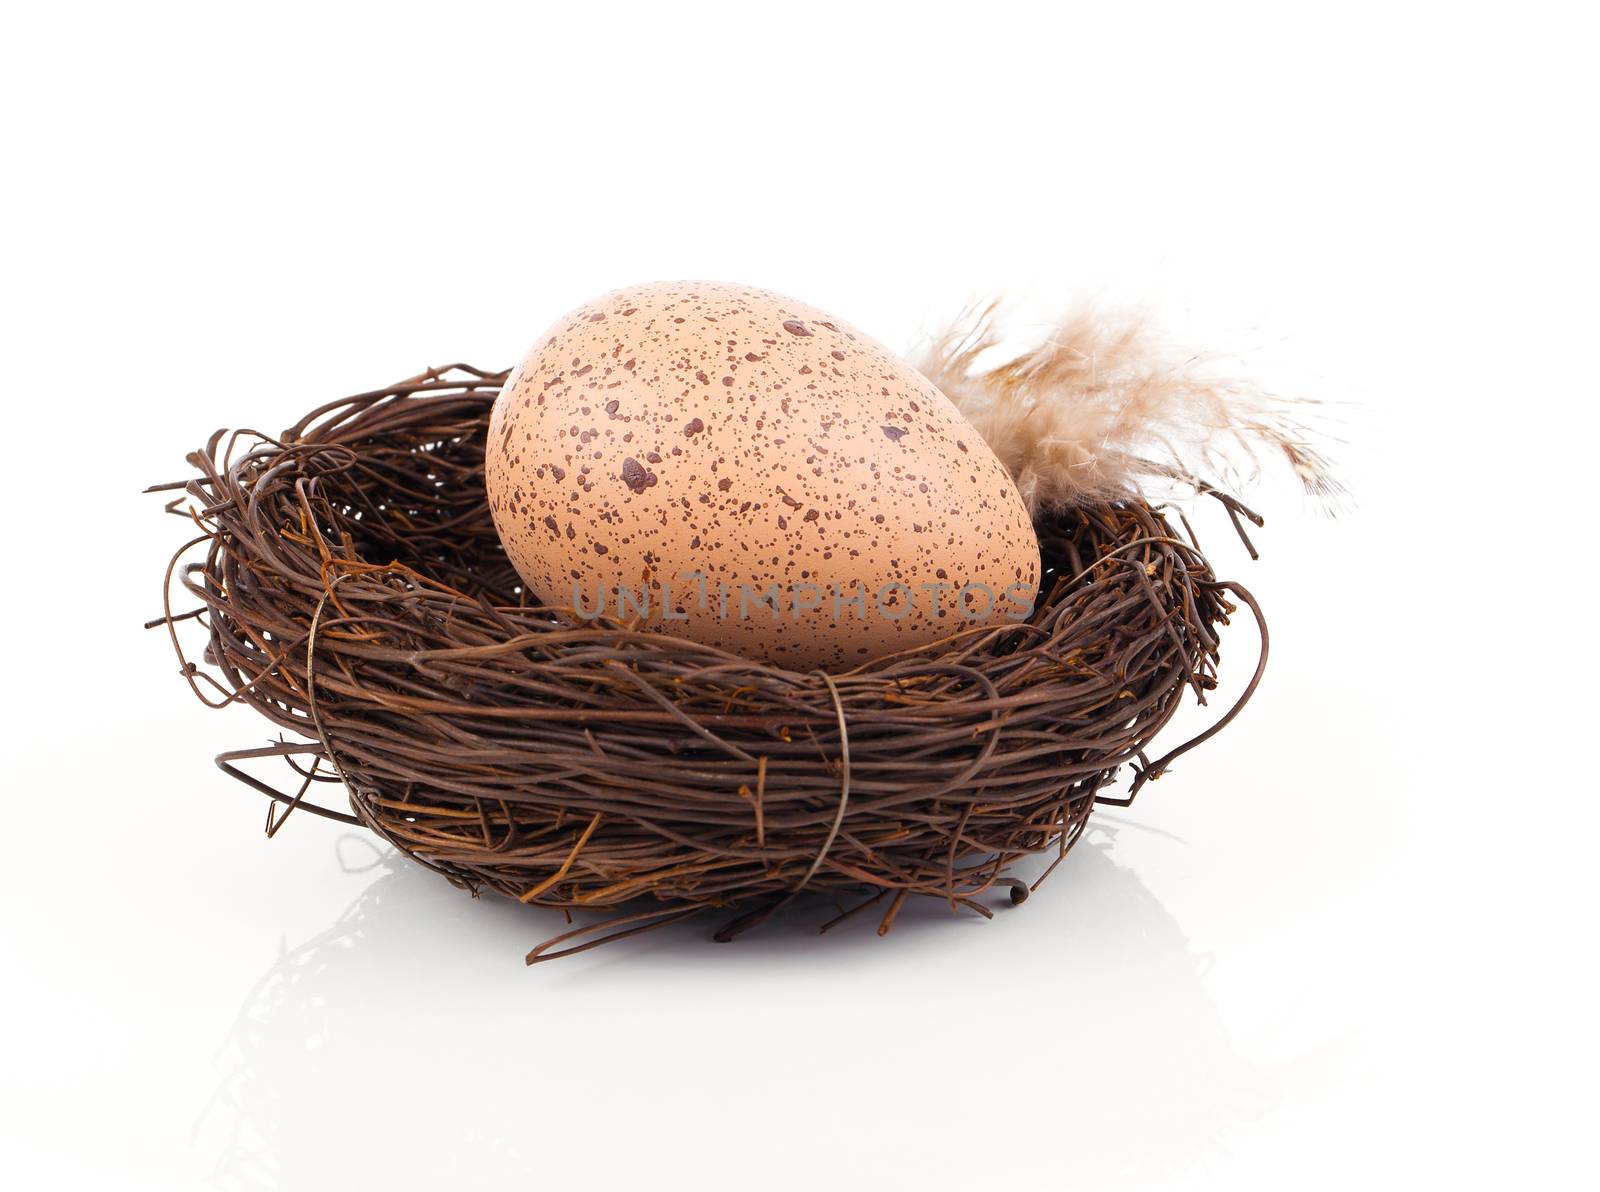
x=1350, y=942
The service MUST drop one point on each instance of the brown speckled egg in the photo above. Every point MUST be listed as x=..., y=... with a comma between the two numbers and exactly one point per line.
x=729, y=465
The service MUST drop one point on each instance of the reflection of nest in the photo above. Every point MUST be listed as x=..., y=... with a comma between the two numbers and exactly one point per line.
x=297, y=1039
x=347, y=1032
x=355, y=592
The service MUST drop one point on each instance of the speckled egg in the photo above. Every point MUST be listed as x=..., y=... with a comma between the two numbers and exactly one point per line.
x=725, y=464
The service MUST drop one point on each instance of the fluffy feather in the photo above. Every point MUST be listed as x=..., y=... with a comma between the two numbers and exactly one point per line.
x=1104, y=409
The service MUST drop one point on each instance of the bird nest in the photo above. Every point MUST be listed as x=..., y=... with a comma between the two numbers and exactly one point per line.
x=353, y=590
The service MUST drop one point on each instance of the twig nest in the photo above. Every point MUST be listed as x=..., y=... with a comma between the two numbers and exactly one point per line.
x=350, y=585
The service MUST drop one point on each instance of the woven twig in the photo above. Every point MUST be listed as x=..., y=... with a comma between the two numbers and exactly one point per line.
x=353, y=590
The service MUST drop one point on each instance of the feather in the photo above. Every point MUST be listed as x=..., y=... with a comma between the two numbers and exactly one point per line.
x=1104, y=409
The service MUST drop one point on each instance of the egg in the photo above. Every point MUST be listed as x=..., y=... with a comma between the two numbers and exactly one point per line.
x=721, y=463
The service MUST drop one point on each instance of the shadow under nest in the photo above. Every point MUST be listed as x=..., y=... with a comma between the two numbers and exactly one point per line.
x=353, y=590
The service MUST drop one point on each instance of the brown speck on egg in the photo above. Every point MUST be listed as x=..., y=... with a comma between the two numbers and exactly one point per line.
x=635, y=476
x=796, y=327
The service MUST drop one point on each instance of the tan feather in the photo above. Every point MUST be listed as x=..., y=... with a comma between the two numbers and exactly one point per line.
x=1103, y=409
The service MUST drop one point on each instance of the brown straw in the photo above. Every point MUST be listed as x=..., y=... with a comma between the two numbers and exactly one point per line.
x=352, y=589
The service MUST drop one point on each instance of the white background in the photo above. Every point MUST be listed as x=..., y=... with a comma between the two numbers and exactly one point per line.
x=1349, y=942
